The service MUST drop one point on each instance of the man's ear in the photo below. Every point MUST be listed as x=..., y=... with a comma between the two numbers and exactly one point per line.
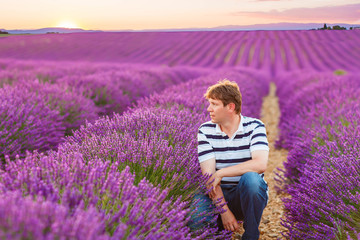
x=231, y=107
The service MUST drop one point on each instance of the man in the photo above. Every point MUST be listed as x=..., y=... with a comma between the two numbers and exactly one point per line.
x=234, y=149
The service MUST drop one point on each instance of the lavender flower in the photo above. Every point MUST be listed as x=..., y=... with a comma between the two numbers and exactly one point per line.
x=27, y=123
x=320, y=126
x=28, y=218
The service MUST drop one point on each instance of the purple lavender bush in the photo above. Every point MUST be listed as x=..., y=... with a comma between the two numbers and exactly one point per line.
x=75, y=108
x=155, y=143
x=115, y=90
x=27, y=218
x=320, y=127
x=81, y=92
x=27, y=123
x=325, y=200
x=120, y=209
x=112, y=87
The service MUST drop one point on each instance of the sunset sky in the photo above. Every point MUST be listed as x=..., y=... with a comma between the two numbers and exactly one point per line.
x=165, y=14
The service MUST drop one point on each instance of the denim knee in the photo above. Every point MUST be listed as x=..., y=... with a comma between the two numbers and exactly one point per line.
x=252, y=183
x=202, y=212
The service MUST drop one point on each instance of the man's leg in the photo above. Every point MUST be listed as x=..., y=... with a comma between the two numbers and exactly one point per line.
x=202, y=212
x=252, y=193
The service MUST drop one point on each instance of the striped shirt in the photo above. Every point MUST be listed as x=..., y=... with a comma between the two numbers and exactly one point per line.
x=214, y=143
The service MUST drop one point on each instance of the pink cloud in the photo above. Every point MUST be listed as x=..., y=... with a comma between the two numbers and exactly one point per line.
x=345, y=13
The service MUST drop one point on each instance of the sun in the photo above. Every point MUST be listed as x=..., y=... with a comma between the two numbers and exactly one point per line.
x=67, y=24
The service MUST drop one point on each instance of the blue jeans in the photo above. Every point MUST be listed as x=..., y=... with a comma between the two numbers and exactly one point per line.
x=246, y=200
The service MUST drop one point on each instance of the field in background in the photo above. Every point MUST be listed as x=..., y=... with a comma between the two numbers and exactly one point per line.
x=270, y=51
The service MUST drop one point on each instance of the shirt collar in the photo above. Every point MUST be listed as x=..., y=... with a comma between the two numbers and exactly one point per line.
x=240, y=128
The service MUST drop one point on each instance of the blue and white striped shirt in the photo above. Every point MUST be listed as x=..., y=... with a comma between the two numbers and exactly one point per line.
x=214, y=143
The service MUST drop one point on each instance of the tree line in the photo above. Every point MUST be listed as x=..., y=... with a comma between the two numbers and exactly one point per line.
x=336, y=27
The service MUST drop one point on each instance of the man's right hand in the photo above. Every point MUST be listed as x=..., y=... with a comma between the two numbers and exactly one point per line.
x=229, y=221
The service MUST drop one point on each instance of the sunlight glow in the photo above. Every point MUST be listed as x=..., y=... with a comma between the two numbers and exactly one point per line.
x=67, y=24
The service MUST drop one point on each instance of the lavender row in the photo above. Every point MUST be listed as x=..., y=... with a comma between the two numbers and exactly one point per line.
x=271, y=51
x=84, y=173
x=320, y=127
x=41, y=102
x=112, y=87
x=253, y=86
x=27, y=123
x=26, y=218
x=92, y=200
x=138, y=170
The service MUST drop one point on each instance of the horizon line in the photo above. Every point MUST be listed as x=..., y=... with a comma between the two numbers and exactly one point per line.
x=184, y=28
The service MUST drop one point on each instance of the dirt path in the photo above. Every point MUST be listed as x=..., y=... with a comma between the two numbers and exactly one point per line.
x=270, y=227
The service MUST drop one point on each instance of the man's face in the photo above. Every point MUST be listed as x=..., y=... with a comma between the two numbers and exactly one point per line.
x=218, y=112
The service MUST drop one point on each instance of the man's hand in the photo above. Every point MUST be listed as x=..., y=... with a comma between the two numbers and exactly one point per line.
x=229, y=221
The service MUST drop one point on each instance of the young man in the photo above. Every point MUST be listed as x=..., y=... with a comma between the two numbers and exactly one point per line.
x=234, y=149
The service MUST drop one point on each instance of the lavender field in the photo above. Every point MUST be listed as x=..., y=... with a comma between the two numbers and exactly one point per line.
x=98, y=130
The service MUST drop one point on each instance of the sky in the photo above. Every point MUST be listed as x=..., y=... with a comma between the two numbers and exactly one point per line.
x=170, y=14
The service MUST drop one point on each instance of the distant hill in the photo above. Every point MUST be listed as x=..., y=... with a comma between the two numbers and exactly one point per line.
x=46, y=30
x=269, y=26
x=284, y=26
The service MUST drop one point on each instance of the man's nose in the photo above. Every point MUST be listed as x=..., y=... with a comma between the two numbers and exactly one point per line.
x=209, y=109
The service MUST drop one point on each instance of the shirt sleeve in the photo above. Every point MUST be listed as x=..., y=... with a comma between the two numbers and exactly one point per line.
x=205, y=150
x=258, y=139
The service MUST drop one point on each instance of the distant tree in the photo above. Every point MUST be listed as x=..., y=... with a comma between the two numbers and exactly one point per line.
x=3, y=32
x=351, y=28
x=337, y=27
x=324, y=28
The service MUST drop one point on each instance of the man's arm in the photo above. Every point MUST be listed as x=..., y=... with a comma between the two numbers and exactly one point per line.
x=228, y=219
x=258, y=164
